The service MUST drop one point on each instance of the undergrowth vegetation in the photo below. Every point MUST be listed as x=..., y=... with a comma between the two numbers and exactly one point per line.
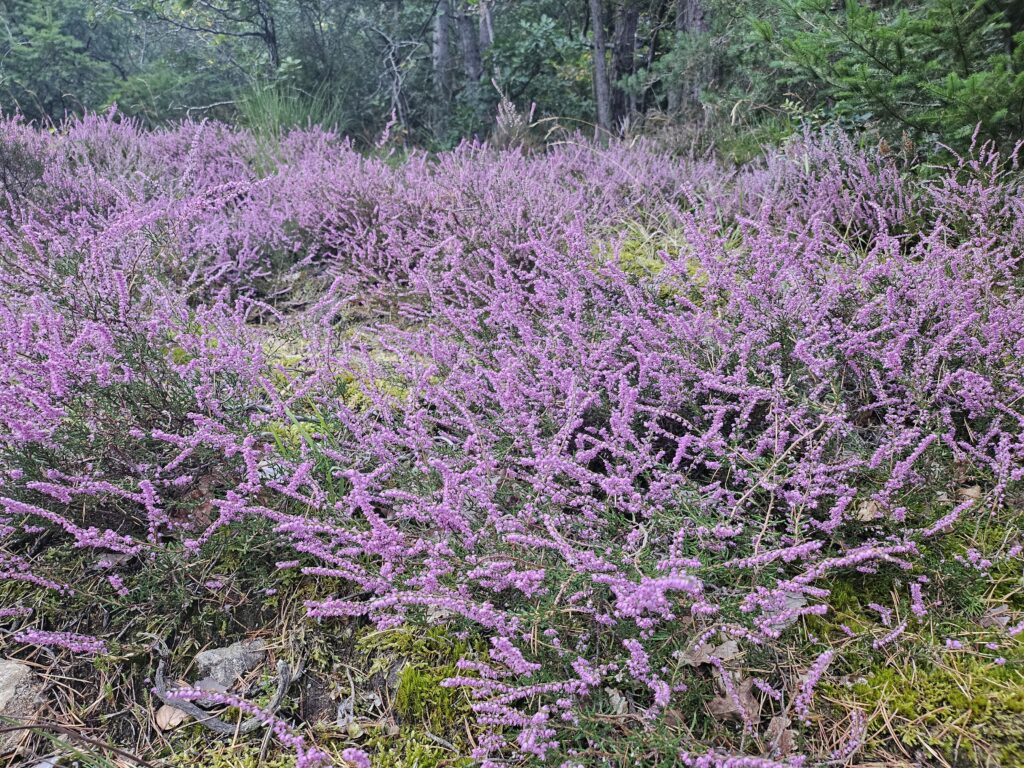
x=584, y=457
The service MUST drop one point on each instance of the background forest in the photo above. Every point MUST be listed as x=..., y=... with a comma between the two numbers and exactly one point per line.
x=698, y=72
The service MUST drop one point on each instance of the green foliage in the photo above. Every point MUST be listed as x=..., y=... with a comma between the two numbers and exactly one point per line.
x=733, y=78
x=934, y=69
x=57, y=57
x=538, y=61
x=274, y=110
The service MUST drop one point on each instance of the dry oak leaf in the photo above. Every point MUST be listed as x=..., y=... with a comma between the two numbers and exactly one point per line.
x=619, y=704
x=969, y=493
x=741, y=705
x=167, y=718
x=780, y=737
x=996, y=616
x=867, y=511
x=695, y=656
x=727, y=651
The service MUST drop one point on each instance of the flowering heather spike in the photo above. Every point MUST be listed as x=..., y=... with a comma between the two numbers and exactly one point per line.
x=917, y=605
x=307, y=757
x=79, y=644
x=802, y=703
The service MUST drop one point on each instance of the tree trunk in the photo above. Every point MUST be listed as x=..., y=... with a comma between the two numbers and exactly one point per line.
x=675, y=93
x=442, y=60
x=486, y=26
x=652, y=53
x=469, y=34
x=690, y=20
x=268, y=31
x=601, y=90
x=627, y=15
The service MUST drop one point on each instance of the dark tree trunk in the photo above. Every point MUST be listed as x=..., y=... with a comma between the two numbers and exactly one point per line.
x=652, y=51
x=268, y=31
x=601, y=90
x=442, y=60
x=469, y=34
x=691, y=19
x=627, y=15
x=486, y=26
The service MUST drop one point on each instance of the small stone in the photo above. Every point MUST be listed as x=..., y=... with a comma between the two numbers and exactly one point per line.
x=210, y=685
x=20, y=699
x=225, y=666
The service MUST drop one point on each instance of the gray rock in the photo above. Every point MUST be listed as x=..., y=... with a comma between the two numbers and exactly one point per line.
x=225, y=666
x=20, y=699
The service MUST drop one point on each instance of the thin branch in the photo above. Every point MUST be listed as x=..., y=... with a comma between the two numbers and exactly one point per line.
x=63, y=731
x=214, y=723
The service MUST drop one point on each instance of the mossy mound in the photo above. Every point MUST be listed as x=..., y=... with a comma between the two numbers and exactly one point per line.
x=964, y=708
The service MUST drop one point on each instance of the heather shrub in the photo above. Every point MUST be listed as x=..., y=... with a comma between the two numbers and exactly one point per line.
x=663, y=449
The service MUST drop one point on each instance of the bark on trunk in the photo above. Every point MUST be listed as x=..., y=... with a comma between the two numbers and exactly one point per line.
x=469, y=34
x=442, y=60
x=691, y=19
x=601, y=90
x=627, y=17
x=268, y=31
x=486, y=26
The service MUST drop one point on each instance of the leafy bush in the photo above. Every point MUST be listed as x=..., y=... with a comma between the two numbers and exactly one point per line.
x=938, y=70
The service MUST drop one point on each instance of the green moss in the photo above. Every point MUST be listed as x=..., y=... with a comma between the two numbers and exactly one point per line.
x=426, y=659
x=966, y=708
x=180, y=356
x=355, y=392
x=421, y=698
x=203, y=751
x=414, y=748
x=640, y=257
x=432, y=720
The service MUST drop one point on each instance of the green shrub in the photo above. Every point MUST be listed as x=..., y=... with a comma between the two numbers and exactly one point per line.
x=936, y=71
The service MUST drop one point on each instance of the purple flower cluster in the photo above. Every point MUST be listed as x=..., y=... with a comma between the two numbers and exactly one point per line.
x=78, y=644
x=460, y=389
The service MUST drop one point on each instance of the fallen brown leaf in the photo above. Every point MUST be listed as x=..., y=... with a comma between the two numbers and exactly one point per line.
x=867, y=511
x=167, y=718
x=996, y=616
x=695, y=656
x=740, y=706
x=780, y=737
x=970, y=492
